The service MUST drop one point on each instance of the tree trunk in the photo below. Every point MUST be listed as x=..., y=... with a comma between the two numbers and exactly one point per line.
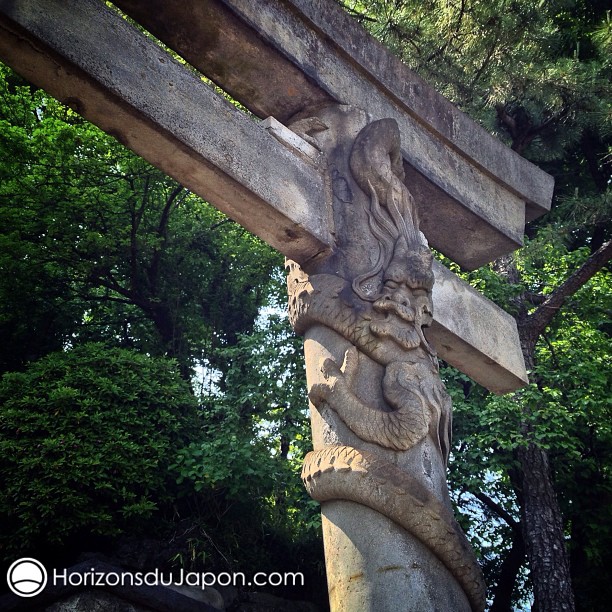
x=502, y=595
x=541, y=519
x=543, y=533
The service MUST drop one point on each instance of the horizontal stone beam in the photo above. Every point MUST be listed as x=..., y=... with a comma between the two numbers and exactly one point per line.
x=262, y=175
x=475, y=335
x=421, y=101
x=88, y=57
x=281, y=57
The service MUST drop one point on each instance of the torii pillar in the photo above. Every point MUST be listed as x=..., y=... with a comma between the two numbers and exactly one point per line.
x=381, y=418
x=374, y=167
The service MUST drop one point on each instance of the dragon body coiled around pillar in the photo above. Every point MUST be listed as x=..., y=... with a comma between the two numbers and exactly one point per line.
x=380, y=314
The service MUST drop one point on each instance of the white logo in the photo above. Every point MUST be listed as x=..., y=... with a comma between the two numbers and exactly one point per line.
x=27, y=577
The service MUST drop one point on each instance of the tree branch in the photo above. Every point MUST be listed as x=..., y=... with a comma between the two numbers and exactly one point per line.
x=152, y=270
x=106, y=298
x=214, y=226
x=537, y=322
x=497, y=509
x=165, y=216
x=506, y=118
x=509, y=570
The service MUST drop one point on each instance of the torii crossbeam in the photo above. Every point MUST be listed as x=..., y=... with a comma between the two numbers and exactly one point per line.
x=375, y=162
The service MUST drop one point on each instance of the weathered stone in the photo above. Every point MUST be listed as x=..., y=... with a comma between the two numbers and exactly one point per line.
x=474, y=335
x=176, y=122
x=135, y=91
x=380, y=414
x=367, y=567
x=261, y=54
x=291, y=140
x=95, y=601
x=350, y=196
x=395, y=81
x=208, y=595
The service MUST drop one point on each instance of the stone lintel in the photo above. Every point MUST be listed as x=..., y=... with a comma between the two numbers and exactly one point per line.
x=88, y=57
x=425, y=104
x=282, y=56
x=271, y=185
x=475, y=335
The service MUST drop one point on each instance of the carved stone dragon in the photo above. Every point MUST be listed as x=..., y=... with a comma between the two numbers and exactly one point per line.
x=381, y=313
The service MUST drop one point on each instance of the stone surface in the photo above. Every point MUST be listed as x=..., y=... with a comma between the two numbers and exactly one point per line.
x=94, y=601
x=208, y=595
x=291, y=140
x=135, y=91
x=283, y=56
x=351, y=196
x=343, y=36
x=368, y=566
x=474, y=335
x=380, y=414
x=176, y=122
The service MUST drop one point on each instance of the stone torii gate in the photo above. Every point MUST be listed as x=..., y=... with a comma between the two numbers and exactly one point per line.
x=357, y=167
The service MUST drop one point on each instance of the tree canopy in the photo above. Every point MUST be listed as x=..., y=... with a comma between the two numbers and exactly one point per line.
x=134, y=329
x=97, y=244
x=115, y=279
x=537, y=75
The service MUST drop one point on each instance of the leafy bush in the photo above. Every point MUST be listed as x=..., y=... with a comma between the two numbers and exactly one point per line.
x=86, y=437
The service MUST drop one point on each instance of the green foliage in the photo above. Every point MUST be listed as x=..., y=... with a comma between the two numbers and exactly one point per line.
x=519, y=67
x=246, y=463
x=226, y=458
x=255, y=433
x=95, y=244
x=86, y=439
x=566, y=410
x=574, y=367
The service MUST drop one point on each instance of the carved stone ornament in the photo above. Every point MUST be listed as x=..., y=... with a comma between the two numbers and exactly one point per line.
x=381, y=415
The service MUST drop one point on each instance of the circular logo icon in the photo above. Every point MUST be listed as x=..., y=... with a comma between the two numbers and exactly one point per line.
x=27, y=577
